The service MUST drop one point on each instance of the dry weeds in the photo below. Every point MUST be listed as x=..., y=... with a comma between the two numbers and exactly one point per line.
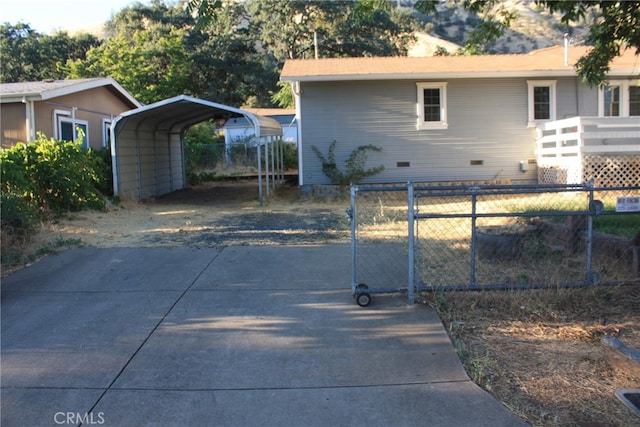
x=540, y=351
x=537, y=351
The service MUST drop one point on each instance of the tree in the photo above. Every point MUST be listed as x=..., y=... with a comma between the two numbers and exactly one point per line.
x=229, y=68
x=157, y=52
x=18, y=44
x=30, y=56
x=151, y=65
x=371, y=28
x=617, y=28
x=291, y=29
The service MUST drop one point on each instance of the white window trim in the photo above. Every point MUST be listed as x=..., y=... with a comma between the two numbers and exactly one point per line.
x=106, y=129
x=56, y=121
x=64, y=116
x=624, y=96
x=551, y=84
x=442, y=124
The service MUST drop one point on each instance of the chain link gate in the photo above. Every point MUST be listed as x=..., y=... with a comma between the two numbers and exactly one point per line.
x=378, y=241
x=424, y=238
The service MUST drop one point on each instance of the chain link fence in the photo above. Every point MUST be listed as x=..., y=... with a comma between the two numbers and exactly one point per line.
x=222, y=159
x=415, y=238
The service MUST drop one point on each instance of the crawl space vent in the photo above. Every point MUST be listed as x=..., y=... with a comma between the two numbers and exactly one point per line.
x=631, y=398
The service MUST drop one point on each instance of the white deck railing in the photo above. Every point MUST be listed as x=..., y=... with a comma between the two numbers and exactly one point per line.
x=577, y=136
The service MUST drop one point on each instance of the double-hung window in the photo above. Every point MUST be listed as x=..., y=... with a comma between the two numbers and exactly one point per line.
x=542, y=101
x=432, y=105
x=619, y=99
x=634, y=100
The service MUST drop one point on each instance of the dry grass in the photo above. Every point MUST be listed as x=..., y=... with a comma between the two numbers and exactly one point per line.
x=538, y=351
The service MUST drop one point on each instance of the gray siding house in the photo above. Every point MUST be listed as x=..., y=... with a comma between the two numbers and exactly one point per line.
x=492, y=118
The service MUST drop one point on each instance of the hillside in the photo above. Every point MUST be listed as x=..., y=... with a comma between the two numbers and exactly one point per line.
x=533, y=28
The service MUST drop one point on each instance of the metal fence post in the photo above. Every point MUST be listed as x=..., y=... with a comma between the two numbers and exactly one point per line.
x=353, y=216
x=472, y=265
x=411, y=285
x=589, y=276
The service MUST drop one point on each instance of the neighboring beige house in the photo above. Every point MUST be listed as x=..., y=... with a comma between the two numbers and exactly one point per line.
x=58, y=108
x=520, y=117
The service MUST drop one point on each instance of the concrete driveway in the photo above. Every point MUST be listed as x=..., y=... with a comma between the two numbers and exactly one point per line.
x=242, y=336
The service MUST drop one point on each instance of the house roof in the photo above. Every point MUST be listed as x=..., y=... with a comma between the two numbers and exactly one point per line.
x=49, y=89
x=539, y=63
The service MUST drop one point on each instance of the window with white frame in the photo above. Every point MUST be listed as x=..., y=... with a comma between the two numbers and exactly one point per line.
x=634, y=100
x=106, y=132
x=619, y=99
x=432, y=105
x=542, y=101
x=68, y=128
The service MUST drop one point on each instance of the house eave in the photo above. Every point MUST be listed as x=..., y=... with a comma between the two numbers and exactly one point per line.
x=450, y=75
x=88, y=84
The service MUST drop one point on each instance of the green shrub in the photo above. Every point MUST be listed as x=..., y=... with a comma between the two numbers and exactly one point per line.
x=354, y=165
x=103, y=167
x=49, y=175
x=203, y=148
x=18, y=215
x=64, y=174
x=290, y=154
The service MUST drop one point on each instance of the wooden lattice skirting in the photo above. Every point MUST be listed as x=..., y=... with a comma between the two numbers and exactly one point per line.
x=605, y=171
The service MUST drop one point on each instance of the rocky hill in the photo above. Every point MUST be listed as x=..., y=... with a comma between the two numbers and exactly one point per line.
x=533, y=28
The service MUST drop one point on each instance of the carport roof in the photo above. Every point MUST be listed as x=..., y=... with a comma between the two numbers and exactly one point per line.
x=180, y=112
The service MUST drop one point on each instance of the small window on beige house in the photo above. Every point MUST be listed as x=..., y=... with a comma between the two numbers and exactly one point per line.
x=68, y=128
x=106, y=132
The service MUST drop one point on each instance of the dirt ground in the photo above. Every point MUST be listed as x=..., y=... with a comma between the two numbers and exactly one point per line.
x=540, y=352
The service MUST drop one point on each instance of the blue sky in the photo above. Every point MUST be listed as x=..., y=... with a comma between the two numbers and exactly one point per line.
x=46, y=16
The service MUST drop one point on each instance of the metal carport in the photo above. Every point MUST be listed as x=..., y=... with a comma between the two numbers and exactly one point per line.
x=147, y=149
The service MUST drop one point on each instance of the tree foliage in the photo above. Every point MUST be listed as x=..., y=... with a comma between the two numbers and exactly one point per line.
x=30, y=56
x=172, y=56
x=49, y=175
x=232, y=51
x=617, y=28
x=292, y=29
x=163, y=63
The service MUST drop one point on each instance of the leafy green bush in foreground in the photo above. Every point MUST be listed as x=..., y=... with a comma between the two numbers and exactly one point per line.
x=49, y=176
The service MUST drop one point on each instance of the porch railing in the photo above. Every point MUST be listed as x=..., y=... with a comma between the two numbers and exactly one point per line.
x=578, y=136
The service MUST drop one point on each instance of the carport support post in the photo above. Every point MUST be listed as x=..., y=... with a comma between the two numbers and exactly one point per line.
x=259, y=173
x=281, y=152
x=266, y=164
x=273, y=164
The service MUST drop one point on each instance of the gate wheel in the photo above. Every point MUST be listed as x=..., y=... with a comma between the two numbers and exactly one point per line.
x=363, y=300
